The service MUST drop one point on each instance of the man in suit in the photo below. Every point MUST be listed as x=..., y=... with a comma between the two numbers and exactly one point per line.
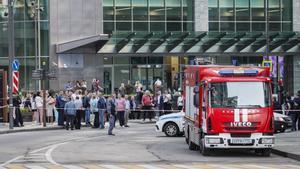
x=159, y=103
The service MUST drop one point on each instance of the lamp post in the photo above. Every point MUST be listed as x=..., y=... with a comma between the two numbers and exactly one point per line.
x=36, y=15
x=11, y=57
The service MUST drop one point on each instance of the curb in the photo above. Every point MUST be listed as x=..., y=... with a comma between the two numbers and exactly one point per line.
x=286, y=154
x=29, y=130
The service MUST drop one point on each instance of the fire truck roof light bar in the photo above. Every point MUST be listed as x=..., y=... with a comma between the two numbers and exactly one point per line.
x=231, y=72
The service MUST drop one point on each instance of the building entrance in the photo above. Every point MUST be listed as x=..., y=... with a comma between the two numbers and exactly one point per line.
x=147, y=74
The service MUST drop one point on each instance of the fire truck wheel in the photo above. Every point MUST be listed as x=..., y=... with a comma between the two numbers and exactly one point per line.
x=203, y=150
x=266, y=152
x=192, y=146
x=171, y=129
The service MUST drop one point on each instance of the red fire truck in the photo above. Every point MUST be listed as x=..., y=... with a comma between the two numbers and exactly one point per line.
x=228, y=107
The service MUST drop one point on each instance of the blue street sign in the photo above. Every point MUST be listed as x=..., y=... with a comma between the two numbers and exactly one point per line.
x=16, y=65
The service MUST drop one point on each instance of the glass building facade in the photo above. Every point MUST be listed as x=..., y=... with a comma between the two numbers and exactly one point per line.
x=144, y=16
x=25, y=38
x=148, y=15
x=249, y=15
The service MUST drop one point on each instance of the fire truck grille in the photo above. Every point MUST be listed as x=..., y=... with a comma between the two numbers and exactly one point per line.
x=247, y=135
x=240, y=128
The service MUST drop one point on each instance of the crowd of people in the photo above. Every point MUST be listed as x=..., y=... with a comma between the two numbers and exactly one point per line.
x=74, y=105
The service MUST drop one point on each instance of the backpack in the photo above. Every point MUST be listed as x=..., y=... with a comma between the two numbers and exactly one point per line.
x=101, y=103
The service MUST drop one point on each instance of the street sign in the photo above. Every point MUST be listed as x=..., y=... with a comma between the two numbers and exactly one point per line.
x=52, y=75
x=16, y=65
x=37, y=74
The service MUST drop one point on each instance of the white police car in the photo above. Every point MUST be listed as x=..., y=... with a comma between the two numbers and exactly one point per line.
x=171, y=124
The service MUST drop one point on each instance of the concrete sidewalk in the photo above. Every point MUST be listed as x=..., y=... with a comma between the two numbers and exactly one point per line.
x=288, y=145
x=28, y=126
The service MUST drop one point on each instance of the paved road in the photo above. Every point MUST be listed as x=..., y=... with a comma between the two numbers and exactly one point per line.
x=136, y=147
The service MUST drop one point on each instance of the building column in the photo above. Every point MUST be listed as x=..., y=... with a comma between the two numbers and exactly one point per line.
x=201, y=15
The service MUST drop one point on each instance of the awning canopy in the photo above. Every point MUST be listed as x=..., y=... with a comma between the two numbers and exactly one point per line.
x=71, y=45
x=201, y=43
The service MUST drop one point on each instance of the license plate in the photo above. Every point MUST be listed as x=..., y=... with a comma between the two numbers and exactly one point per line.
x=240, y=141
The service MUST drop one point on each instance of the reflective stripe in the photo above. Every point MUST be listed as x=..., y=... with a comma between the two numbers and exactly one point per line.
x=236, y=115
x=245, y=115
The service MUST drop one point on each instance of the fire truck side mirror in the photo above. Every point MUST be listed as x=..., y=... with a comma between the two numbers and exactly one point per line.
x=196, y=90
x=196, y=96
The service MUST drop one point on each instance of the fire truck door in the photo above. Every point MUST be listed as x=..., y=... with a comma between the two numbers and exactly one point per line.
x=203, y=106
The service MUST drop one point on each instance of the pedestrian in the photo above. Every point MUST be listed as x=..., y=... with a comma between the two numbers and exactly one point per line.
x=60, y=104
x=35, y=116
x=18, y=118
x=70, y=112
x=297, y=111
x=50, y=107
x=159, y=103
x=167, y=102
x=147, y=105
x=94, y=110
x=102, y=109
x=180, y=102
x=120, y=106
x=87, y=106
x=79, y=112
x=122, y=89
x=127, y=110
x=39, y=106
x=111, y=110
x=133, y=112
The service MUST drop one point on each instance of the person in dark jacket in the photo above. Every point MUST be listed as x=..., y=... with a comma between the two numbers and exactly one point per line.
x=296, y=116
x=60, y=104
x=70, y=112
x=111, y=109
x=18, y=119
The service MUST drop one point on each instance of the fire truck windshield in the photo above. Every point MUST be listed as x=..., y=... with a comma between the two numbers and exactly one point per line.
x=240, y=95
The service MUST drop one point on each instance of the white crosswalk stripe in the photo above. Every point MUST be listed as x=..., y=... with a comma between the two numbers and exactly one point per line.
x=259, y=166
x=186, y=166
x=72, y=167
x=111, y=166
x=147, y=166
x=34, y=167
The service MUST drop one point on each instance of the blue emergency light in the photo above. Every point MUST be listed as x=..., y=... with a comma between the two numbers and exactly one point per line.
x=239, y=72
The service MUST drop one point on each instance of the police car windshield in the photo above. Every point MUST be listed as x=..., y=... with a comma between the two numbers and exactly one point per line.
x=239, y=95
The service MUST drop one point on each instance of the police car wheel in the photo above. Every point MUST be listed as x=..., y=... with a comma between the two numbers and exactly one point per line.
x=171, y=129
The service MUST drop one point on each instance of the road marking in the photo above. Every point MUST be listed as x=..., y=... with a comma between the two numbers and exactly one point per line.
x=111, y=166
x=15, y=167
x=149, y=166
x=48, y=153
x=184, y=166
x=132, y=167
x=204, y=166
x=34, y=167
x=55, y=167
x=72, y=167
x=293, y=166
x=10, y=161
x=258, y=166
x=92, y=167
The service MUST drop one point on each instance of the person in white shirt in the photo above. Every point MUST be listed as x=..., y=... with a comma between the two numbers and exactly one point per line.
x=180, y=102
x=157, y=85
x=127, y=110
x=39, y=107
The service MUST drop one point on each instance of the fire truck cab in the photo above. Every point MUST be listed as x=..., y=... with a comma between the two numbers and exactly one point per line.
x=228, y=107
